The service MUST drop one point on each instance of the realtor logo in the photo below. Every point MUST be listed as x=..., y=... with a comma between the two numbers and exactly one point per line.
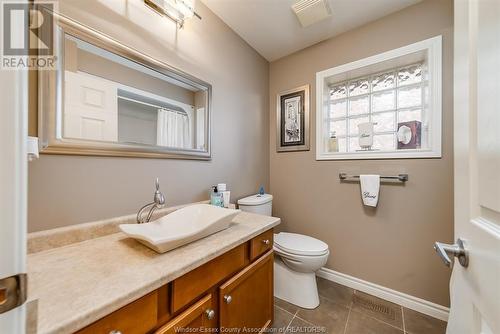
x=27, y=35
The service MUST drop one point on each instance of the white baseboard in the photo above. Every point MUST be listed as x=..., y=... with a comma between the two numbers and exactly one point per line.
x=408, y=301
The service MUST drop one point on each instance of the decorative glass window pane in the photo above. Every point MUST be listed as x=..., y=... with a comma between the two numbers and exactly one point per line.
x=338, y=92
x=354, y=144
x=383, y=101
x=409, y=97
x=342, y=144
x=339, y=127
x=353, y=124
x=410, y=75
x=338, y=109
x=383, y=81
x=385, y=122
x=361, y=86
x=410, y=115
x=360, y=105
x=384, y=142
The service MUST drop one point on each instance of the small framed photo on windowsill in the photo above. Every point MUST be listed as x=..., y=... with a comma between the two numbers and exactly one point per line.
x=292, y=115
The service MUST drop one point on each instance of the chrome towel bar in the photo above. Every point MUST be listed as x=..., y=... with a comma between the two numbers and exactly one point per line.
x=399, y=177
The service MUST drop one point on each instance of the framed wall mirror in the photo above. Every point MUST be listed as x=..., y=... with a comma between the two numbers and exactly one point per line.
x=105, y=98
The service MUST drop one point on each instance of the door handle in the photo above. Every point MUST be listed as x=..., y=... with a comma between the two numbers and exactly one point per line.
x=457, y=250
x=12, y=292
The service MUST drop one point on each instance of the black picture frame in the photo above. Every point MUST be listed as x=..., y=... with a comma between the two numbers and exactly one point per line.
x=293, y=120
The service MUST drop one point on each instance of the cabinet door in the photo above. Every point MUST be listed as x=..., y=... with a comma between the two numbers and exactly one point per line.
x=199, y=316
x=246, y=300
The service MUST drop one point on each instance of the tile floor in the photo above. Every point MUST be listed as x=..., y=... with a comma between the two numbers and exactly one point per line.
x=347, y=311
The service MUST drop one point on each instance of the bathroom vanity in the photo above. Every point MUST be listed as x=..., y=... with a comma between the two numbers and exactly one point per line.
x=113, y=284
x=216, y=294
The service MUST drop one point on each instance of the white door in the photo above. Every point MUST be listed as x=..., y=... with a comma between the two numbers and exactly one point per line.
x=475, y=289
x=90, y=107
x=13, y=188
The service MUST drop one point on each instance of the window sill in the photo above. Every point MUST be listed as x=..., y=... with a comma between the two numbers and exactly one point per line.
x=374, y=155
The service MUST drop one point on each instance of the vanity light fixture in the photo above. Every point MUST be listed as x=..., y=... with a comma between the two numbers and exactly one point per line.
x=176, y=10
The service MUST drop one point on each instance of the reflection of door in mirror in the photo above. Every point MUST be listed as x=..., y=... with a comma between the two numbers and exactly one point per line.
x=90, y=110
x=113, y=99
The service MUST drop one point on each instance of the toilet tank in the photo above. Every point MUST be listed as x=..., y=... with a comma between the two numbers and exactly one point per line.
x=259, y=204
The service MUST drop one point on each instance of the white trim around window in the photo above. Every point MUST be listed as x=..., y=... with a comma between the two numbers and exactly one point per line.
x=429, y=50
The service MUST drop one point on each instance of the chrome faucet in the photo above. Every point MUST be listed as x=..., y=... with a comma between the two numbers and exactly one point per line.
x=158, y=203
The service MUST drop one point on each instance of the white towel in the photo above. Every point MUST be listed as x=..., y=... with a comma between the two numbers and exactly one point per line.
x=370, y=185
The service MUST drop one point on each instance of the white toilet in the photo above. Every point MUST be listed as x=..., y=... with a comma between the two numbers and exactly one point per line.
x=298, y=258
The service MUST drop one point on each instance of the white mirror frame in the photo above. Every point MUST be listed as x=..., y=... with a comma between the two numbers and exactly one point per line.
x=50, y=100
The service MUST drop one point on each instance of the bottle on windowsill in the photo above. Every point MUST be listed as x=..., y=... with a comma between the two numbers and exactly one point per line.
x=333, y=143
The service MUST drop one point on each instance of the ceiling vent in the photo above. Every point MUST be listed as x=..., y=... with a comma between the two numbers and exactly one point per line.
x=311, y=11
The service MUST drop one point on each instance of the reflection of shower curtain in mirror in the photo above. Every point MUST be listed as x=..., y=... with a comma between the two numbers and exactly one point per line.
x=172, y=129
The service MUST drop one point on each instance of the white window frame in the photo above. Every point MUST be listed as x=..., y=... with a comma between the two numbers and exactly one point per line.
x=433, y=48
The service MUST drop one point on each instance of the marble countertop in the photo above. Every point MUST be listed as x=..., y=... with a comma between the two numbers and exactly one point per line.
x=79, y=283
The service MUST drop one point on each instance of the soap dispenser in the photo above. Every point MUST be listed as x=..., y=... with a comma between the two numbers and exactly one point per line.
x=216, y=197
x=226, y=194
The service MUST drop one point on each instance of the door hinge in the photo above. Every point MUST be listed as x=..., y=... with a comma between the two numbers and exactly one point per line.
x=13, y=292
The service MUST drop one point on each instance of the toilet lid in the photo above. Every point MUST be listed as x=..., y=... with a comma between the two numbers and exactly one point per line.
x=256, y=200
x=299, y=244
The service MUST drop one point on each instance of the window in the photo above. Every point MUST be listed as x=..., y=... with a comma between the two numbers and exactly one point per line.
x=385, y=106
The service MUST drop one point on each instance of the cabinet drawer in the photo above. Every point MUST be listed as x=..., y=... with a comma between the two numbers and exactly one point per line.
x=137, y=317
x=261, y=244
x=200, y=315
x=196, y=282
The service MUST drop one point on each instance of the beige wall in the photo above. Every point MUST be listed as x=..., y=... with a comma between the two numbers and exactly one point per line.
x=66, y=190
x=391, y=245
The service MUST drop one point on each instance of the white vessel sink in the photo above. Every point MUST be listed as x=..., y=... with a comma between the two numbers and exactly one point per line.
x=181, y=226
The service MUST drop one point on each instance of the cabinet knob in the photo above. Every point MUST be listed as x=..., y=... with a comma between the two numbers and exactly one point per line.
x=265, y=241
x=114, y=331
x=210, y=314
x=228, y=299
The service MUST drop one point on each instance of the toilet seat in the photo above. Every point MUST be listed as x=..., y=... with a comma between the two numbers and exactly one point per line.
x=298, y=244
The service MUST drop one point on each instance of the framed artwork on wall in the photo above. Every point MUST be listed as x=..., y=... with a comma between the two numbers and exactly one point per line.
x=292, y=115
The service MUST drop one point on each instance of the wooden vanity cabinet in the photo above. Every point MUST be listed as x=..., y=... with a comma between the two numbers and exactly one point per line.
x=232, y=291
